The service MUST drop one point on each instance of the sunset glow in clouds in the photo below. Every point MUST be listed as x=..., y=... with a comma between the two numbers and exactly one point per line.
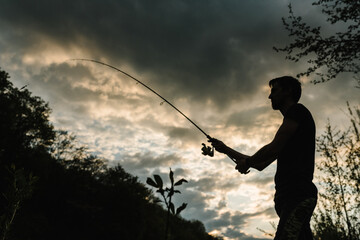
x=211, y=59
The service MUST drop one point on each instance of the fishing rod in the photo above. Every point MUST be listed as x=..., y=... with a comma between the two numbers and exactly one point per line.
x=206, y=149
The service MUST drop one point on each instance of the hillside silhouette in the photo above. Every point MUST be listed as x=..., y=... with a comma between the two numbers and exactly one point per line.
x=52, y=189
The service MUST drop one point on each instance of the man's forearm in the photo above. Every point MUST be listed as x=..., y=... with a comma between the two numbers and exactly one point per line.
x=262, y=158
x=235, y=154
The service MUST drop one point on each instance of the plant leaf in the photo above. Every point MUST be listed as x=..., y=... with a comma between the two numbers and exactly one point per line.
x=161, y=191
x=151, y=182
x=172, y=208
x=179, y=209
x=158, y=181
x=171, y=175
x=181, y=181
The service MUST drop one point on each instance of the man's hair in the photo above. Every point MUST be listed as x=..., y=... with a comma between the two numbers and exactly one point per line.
x=290, y=83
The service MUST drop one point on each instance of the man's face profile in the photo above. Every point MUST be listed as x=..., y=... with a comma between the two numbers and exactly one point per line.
x=277, y=96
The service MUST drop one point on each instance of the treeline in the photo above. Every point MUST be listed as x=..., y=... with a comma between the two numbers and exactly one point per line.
x=50, y=188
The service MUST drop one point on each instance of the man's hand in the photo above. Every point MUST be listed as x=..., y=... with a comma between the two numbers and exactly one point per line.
x=218, y=145
x=238, y=158
x=241, y=166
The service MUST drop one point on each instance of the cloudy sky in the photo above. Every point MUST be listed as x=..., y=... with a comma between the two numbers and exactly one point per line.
x=210, y=58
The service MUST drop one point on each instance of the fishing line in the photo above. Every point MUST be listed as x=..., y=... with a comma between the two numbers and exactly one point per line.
x=206, y=150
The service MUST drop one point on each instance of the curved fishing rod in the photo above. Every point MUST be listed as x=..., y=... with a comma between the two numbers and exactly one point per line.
x=149, y=88
x=206, y=150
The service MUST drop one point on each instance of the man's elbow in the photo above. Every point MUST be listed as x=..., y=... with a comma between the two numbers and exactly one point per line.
x=274, y=148
x=263, y=165
x=259, y=167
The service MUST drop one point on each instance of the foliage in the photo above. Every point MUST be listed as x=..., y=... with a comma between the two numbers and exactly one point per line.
x=53, y=188
x=167, y=195
x=24, y=121
x=26, y=135
x=338, y=215
x=20, y=188
x=71, y=155
x=337, y=53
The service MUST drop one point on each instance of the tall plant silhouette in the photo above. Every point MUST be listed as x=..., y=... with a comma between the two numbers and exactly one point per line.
x=167, y=195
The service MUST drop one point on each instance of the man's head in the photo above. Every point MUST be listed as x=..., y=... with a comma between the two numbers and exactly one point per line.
x=284, y=90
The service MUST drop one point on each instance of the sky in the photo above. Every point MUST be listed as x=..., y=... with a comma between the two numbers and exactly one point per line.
x=212, y=59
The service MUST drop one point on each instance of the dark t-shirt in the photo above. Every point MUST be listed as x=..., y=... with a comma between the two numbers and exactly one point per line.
x=295, y=163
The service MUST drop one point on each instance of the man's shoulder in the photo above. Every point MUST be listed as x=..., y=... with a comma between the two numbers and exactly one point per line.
x=298, y=112
x=295, y=109
x=299, y=107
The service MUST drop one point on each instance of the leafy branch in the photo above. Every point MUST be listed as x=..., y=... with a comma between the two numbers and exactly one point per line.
x=329, y=55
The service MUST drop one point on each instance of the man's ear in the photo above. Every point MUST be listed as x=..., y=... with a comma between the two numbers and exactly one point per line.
x=288, y=92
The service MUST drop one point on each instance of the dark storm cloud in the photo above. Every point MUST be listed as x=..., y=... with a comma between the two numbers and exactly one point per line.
x=149, y=160
x=192, y=48
x=247, y=117
x=222, y=221
x=269, y=212
x=233, y=223
x=185, y=134
x=58, y=80
x=197, y=204
x=261, y=180
x=213, y=181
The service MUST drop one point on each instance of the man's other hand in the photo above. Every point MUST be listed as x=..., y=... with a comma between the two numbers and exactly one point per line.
x=241, y=166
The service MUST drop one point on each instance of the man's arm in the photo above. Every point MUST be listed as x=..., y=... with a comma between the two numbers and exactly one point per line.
x=222, y=148
x=235, y=154
x=267, y=154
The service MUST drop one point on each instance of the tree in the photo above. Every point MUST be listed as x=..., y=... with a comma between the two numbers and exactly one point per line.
x=72, y=155
x=334, y=54
x=26, y=136
x=338, y=215
x=24, y=123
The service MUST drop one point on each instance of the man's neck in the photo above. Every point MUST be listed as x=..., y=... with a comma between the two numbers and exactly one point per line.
x=286, y=107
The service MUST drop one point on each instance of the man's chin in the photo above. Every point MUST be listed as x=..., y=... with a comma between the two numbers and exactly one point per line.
x=275, y=107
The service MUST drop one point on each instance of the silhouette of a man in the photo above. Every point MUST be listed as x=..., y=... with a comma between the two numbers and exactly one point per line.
x=294, y=148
